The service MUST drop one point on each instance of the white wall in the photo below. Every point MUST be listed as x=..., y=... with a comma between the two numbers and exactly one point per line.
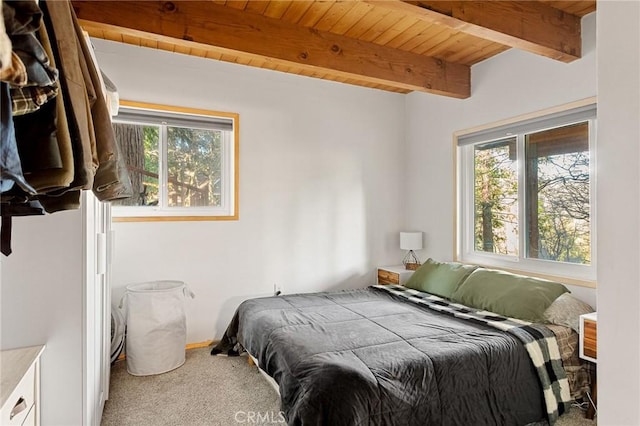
x=508, y=85
x=320, y=185
x=323, y=197
x=41, y=303
x=618, y=213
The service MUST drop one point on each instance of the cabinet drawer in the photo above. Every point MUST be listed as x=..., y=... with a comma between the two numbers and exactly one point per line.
x=387, y=277
x=590, y=339
x=21, y=401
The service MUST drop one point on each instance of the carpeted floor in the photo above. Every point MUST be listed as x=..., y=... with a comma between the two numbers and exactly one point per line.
x=206, y=390
x=211, y=391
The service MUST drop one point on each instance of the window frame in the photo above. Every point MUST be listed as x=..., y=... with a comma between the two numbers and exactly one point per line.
x=230, y=171
x=464, y=248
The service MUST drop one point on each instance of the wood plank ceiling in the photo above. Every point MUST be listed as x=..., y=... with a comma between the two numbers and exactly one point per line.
x=393, y=45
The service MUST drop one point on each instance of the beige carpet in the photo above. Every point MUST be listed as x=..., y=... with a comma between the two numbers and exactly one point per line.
x=210, y=391
x=206, y=390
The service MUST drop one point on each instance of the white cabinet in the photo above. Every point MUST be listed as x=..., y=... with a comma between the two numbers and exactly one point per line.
x=55, y=290
x=97, y=307
x=20, y=387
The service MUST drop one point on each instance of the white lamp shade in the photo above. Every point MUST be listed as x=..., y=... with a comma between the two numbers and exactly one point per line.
x=411, y=240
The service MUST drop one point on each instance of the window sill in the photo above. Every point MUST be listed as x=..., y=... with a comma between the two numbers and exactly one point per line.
x=172, y=218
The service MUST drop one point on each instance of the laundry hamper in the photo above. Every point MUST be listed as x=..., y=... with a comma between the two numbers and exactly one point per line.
x=156, y=326
x=117, y=333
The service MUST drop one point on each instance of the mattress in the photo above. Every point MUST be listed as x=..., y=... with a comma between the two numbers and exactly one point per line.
x=368, y=357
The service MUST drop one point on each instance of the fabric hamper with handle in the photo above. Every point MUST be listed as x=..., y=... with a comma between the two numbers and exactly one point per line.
x=156, y=326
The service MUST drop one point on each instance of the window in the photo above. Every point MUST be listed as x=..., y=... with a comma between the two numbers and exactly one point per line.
x=525, y=194
x=183, y=163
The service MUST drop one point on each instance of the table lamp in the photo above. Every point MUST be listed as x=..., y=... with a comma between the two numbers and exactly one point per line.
x=411, y=241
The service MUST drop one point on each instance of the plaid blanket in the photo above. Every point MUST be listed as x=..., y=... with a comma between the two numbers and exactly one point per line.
x=539, y=341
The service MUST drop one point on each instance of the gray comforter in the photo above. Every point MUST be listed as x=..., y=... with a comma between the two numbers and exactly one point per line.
x=366, y=357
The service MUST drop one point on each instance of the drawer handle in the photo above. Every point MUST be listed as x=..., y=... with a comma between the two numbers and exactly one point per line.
x=20, y=406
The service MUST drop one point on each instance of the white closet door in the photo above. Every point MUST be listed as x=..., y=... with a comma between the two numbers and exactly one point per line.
x=97, y=307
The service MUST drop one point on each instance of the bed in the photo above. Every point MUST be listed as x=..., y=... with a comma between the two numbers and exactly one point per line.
x=389, y=355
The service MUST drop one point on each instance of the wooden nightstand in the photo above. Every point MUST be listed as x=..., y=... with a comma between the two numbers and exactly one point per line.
x=589, y=337
x=393, y=274
x=589, y=352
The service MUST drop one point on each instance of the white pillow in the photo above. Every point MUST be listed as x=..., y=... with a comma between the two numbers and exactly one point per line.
x=566, y=310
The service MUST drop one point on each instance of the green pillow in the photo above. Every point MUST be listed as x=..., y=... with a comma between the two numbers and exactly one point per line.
x=507, y=294
x=441, y=279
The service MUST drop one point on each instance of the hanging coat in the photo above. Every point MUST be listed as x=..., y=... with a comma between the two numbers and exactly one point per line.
x=10, y=163
x=66, y=51
x=111, y=177
x=112, y=180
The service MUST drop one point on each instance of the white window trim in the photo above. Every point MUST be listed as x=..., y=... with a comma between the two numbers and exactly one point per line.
x=584, y=275
x=228, y=209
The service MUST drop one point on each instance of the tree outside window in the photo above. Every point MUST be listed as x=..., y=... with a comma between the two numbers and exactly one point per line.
x=180, y=165
x=556, y=192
